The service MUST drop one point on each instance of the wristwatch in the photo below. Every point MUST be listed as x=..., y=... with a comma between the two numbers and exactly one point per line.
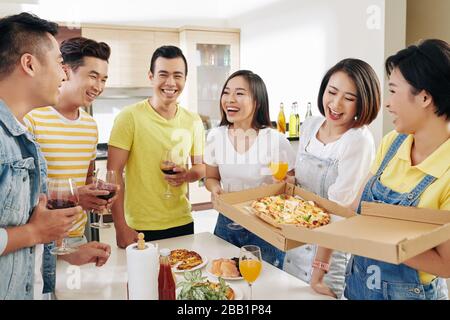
x=321, y=265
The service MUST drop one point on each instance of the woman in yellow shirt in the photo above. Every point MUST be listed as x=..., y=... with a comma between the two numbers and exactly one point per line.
x=412, y=168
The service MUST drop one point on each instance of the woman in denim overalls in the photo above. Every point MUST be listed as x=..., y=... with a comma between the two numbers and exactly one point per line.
x=334, y=156
x=238, y=153
x=420, y=101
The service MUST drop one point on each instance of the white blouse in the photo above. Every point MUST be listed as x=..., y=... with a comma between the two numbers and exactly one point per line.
x=354, y=150
x=240, y=171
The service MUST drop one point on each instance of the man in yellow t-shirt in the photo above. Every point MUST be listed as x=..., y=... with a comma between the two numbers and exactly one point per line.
x=140, y=136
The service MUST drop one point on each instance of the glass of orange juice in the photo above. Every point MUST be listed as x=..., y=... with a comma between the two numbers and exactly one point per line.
x=250, y=264
x=279, y=169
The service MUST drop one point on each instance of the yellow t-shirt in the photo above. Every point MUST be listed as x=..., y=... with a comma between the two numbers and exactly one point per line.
x=140, y=130
x=402, y=177
x=68, y=146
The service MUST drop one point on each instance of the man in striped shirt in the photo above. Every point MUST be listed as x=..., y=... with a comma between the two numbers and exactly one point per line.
x=66, y=133
x=30, y=74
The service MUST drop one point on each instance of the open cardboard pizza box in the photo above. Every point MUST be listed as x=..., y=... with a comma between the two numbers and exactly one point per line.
x=383, y=232
x=236, y=205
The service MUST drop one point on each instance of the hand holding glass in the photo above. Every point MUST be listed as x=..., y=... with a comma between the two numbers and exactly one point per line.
x=167, y=164
x=105, y=180
x=62, y=194
x=279, y=170
x=279, y=166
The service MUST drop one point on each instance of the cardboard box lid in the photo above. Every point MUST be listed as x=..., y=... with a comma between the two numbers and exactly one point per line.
x=383, y=232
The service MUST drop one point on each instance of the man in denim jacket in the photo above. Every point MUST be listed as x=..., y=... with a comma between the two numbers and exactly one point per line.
x=30, y=75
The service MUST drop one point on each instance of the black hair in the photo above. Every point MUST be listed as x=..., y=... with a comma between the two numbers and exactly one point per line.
x=75, y=49
x=426, y=66
x=168, y=52
x=23, y=33
x=368, y=99
x=258, y=92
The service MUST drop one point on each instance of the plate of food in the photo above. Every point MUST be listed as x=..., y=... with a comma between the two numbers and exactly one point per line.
x=227, y=269
x=285, y=209
x=183, y=260
x=196, y=287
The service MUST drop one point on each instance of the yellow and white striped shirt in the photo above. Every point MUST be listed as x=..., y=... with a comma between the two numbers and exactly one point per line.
x=68, y=146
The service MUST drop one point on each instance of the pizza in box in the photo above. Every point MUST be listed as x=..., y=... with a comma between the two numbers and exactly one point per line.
x=285, y=209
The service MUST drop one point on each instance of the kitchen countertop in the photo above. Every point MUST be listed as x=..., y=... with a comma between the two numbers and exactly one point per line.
x=109, y=282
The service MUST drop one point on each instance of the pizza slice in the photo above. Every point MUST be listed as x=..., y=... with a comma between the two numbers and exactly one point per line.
x=184, y=259
x=191, y=260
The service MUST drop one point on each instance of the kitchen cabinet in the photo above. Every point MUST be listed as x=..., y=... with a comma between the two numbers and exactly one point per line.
x=212, y=55
x=131, y=51
x=65, y=33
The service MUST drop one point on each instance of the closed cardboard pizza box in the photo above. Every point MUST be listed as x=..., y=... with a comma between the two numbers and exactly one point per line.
x=235, y=205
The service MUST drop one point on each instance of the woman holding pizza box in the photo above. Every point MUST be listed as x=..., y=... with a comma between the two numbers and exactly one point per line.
x=239, y=151
x=411, y=168
x=334, y=155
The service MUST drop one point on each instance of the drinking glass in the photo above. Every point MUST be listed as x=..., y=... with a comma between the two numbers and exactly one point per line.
x=105, y=180
x=279, y=167
x=233, y=187
x=250, y=264
x=167, y=164
x=62, y=194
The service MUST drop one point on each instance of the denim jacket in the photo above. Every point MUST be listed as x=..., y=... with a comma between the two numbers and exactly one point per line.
x=23, y=173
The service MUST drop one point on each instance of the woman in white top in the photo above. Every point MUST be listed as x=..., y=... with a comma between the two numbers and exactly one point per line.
x=238, y=153
x=333, y=159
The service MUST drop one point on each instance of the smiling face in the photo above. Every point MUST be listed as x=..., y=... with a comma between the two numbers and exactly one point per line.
x=340, y=100
x=405, y=107
x=85, y=83
x=168, y=80
x=49, y=75
x=237, y=102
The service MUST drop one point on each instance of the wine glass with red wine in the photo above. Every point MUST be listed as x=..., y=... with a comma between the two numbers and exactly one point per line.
x=62, y=194
x=167, y=164
x=105, y=180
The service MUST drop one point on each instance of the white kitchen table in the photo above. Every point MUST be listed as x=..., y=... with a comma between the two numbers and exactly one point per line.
x=110, y=281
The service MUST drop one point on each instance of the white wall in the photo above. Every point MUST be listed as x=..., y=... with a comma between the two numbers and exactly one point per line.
x=395, y=40
x=292, y=43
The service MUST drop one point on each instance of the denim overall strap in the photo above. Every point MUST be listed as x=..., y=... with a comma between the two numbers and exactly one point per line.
x=390, y=281
x=387, y=158
x=412, y=198
x=391, y=153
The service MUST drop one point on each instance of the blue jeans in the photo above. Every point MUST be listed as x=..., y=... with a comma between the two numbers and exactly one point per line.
x=242, y=236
